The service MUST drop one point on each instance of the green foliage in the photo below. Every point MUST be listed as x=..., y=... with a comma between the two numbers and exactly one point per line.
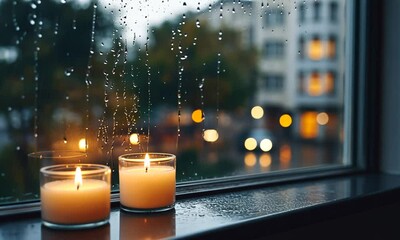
x=181, y=56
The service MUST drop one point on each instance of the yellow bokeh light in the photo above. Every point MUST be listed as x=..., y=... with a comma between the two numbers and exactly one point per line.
x=250, y=159
x=250, y=144
x=265, y=160
x=257, y=112
x=82, y=144
x=285, y=120
x=134, y=139
x=322, y=118
x=197, y=116
x=266, y=145
x=210, y=135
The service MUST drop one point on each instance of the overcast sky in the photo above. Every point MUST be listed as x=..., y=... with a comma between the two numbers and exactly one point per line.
x=140, y=13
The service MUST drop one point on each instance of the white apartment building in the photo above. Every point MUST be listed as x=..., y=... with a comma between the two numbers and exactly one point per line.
x=301, y=63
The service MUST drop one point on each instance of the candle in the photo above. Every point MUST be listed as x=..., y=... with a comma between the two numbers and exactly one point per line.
x=84, y=199
x=147, y=183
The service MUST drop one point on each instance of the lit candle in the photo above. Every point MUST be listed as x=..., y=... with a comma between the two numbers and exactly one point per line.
x=73, y=201
x=147, y=184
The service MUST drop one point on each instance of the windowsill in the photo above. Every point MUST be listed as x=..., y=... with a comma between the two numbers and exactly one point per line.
x=245, y=214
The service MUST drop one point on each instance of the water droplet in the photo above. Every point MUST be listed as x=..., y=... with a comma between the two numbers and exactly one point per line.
x=69, y=71
x=184, y=3
x=63, y=1
x=33, y=6
x=18, y=148
x=198, y=23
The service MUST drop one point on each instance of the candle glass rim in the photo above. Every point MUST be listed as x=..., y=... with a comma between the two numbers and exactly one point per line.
x=57, y=154
x=160, y=157
x=100, y=169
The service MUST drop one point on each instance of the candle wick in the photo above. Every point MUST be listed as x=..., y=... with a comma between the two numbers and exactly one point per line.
x=146, y=169
x=77, y=186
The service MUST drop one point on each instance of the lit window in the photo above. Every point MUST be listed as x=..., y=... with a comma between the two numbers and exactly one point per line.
x=315, y=49
x=331, y=47
x=315, y=86
x=329, y=83
x=309, y=125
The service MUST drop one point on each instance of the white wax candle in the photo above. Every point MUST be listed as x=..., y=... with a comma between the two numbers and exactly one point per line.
x=63, y=203
x=146, y=190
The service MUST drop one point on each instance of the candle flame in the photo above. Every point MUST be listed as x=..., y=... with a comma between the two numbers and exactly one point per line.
x=147, y=162
x=78, y=178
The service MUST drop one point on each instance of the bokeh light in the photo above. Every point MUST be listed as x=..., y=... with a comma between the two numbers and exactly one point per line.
x=134, y=139
x=82, y=144
x=250, y=144
x=285, y=120
x=257, y=112
x=322, y=118
x=197, y=116
x=266, y=145
x=210, y=135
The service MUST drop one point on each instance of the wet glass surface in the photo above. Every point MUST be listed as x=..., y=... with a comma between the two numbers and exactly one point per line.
x=231, y=88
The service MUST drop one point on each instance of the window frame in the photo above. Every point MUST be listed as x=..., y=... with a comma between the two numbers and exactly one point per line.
x=358, y=156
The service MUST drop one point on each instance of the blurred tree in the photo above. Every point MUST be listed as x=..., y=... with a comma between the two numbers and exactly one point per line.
x=44, y=57
x=194, y=59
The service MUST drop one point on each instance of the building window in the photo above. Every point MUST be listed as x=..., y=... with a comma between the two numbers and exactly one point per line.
x=317, y=84
x=274, y=17
x=315, y=49
x=317, y=11
x=330, y=86
x=301, y=47
x=274, y=49
x=302, y=12
x=273, y=82
x=331, y=47
x=309, y=125
x=333, y=11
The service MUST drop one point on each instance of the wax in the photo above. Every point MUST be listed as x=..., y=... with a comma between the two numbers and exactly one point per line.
x=63, y=203
x=147, y=190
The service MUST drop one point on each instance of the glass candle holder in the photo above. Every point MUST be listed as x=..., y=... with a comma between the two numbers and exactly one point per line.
x=147, y=182
x=75, y=196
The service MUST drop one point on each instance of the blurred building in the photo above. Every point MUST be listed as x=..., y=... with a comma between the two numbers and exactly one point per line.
x=300, y=80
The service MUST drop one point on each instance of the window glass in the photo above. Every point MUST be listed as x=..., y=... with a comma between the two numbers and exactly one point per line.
x=232, y=88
